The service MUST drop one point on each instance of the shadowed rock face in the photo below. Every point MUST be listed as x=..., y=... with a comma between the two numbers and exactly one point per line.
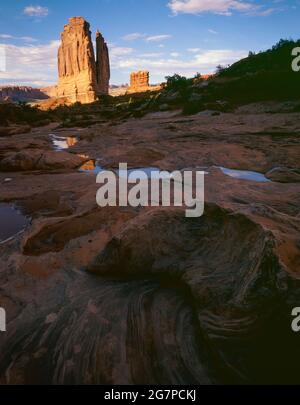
x=231, y=293
x=102, y=64
x=79, y=77
x=40, y=160
x=125, y=295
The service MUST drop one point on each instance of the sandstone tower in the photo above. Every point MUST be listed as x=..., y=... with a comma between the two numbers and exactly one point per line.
x=80, y=77
x=102, y=64
x=139, y=81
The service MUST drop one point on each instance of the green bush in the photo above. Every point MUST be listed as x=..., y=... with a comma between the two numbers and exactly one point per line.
x=278, y=58
x=177, y=82
x=22, y=114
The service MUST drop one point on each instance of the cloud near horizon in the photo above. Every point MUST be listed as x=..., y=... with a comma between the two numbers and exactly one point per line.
x=25, y=64
x=204, y=61
x=9, y=36
x=224, y=7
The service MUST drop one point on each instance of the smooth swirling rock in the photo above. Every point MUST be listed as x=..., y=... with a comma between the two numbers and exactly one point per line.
x=166, y=301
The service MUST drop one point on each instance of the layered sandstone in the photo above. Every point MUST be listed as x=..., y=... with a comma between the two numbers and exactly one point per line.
x=80, y=79
x=21, y=93
x=102, y=65
x=139, y=81
x=50, y=91
x=167, y=299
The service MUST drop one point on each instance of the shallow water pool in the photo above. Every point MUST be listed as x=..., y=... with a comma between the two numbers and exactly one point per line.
x=61, y=143
x=12, y=221
x=245, y=175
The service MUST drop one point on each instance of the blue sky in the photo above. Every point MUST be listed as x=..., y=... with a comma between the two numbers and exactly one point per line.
x=163, y=36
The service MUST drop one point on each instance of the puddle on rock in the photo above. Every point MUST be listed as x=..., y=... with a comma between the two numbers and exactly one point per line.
x=91, y=166
x=245, y=175
x=12, y=221
x=61, y=143
x=153, y=172
x=94, y=167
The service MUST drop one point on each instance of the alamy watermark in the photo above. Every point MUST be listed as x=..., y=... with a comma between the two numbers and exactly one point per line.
x=2, y=320
x=296, y=61
x=137, y=188
x=296, y=320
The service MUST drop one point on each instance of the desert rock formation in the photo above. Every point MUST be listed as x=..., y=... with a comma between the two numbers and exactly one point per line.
x=102, y=64
x=21, y=93
x=77, y=69
x=50, y=91
x=139, y=81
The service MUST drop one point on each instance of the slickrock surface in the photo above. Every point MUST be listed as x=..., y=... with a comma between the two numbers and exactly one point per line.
x=79, y=77
x=125, y=295
x=14, y=130
x=31, y=159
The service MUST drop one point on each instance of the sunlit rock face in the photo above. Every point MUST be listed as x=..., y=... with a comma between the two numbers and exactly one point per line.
x=77, y=69
x=139, y=81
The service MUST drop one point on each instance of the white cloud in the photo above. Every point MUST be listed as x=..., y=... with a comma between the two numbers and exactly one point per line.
x=213, y=32
x=119, y=51
x=194, y=50
x=26, y=64
x=36, y=65
x=36, y=11
x=134, y=36
x=148, y=38
x=2, y=58
x=151, y=55
x=205, y=61
x=225, y=7
x=26, y=39
x=158, y=38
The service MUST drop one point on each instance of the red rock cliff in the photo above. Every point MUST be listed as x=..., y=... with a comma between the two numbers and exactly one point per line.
x=77, y=70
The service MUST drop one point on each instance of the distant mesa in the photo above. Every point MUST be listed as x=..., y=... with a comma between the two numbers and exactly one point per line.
x=20, y=93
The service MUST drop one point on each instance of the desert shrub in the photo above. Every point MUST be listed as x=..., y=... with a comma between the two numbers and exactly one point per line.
x=220, y=69
x=261, y=86
x=177, y=82
x=192, y=107
x=22, y=113
x=278, y=58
